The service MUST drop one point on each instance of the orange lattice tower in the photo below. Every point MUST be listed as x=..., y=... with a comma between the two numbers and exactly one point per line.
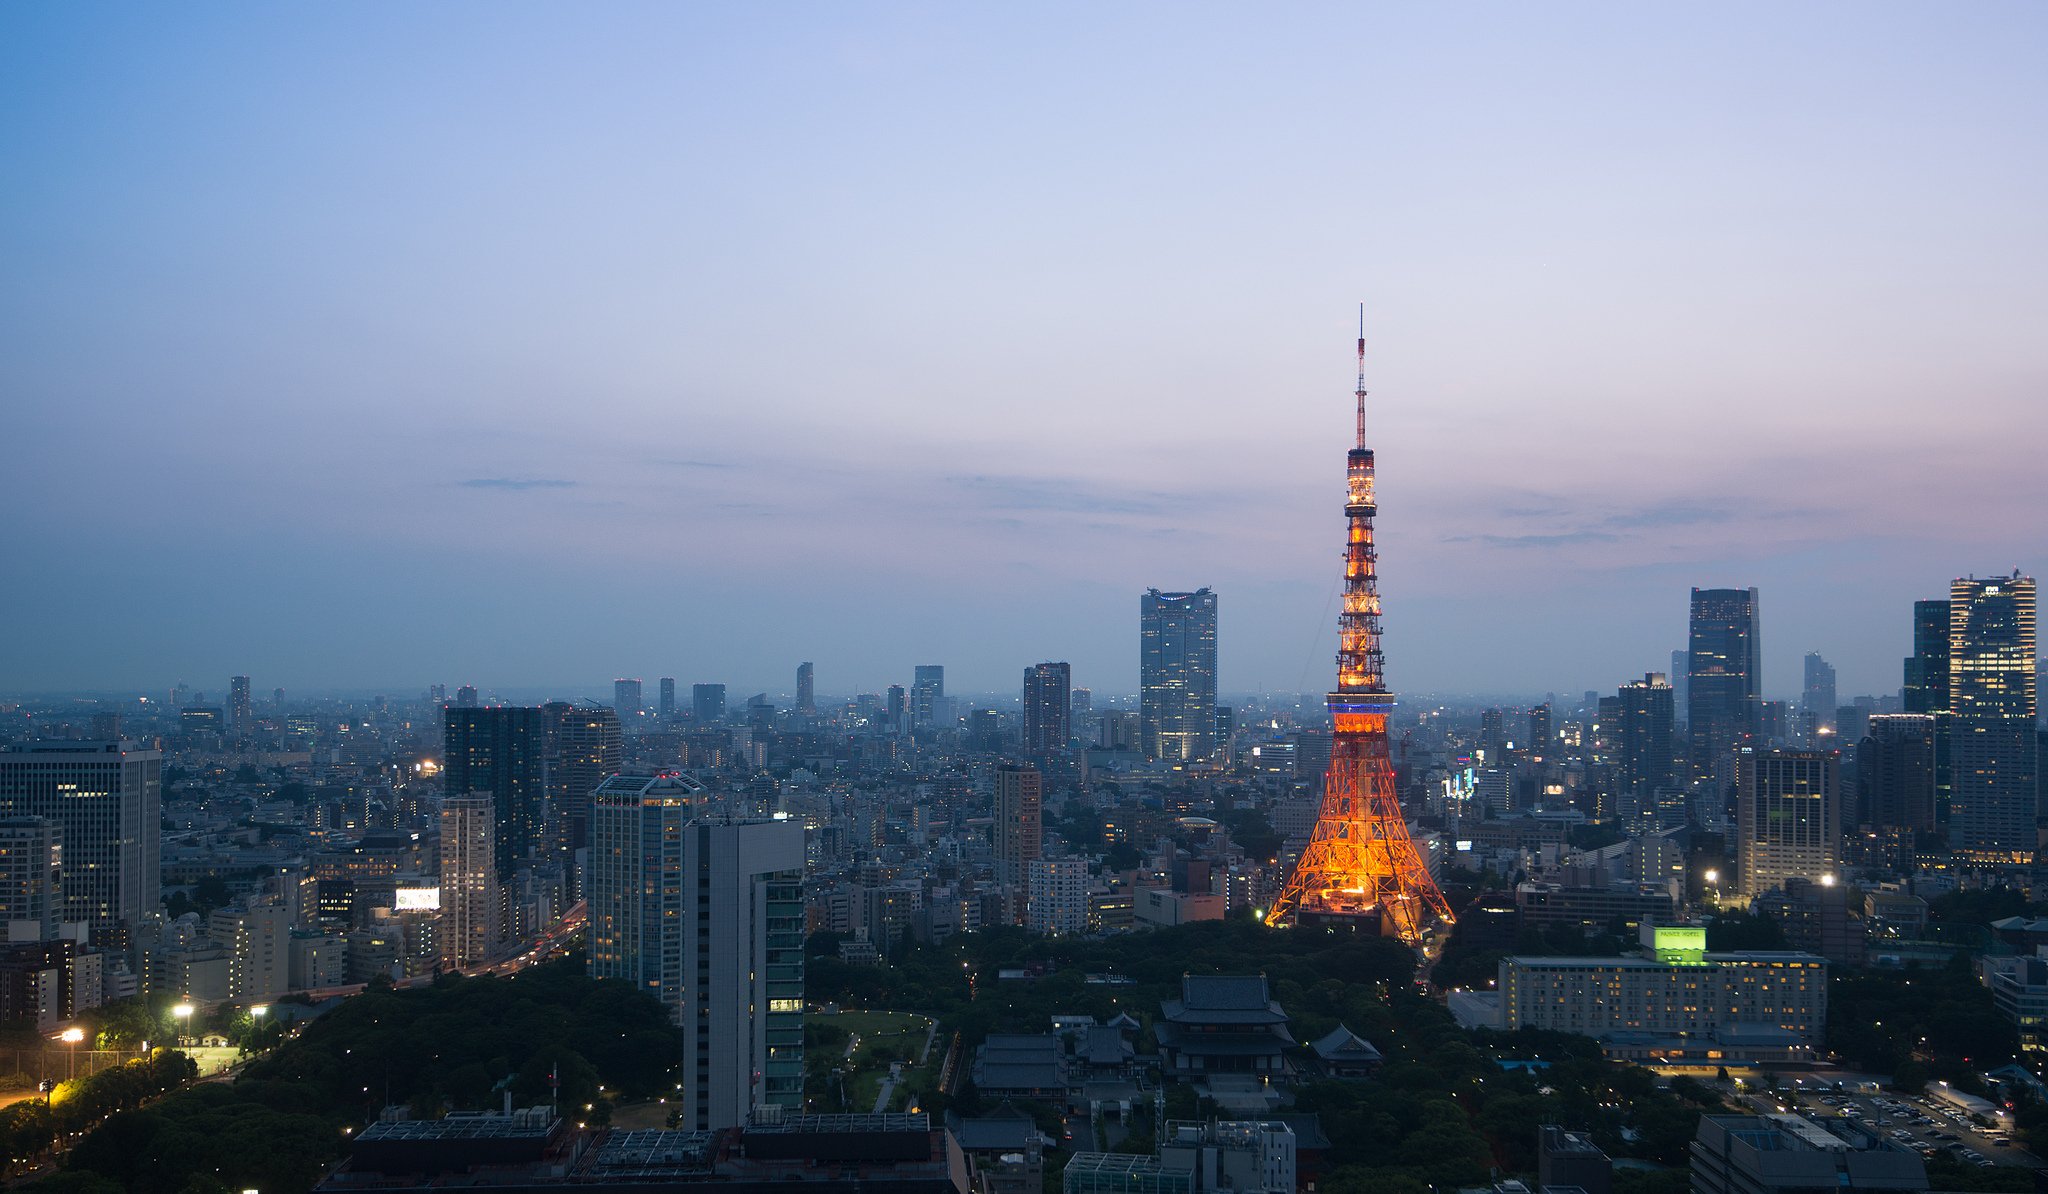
x=1360, y=861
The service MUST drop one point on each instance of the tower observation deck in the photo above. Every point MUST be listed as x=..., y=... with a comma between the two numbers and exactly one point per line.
x=1360, y=862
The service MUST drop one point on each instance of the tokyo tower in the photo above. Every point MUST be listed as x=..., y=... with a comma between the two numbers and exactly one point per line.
x=1360, y=863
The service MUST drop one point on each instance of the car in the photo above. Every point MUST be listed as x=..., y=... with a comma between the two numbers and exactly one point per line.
x=2002, y=1141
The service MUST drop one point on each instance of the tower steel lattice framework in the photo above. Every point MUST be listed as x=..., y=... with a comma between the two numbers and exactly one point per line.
x=1360, y=857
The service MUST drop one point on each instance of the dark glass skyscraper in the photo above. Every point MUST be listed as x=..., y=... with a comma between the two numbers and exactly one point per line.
x=500, y=751
x=1177, y=674
x=1048, y=709
x=1895, y=773
x=1817, y=697
x=707, y=703
x=1926, y=689
x=1645, y=714
x=806, y=689
x=584, y=748
x=1994, y=752
x=1724, y=691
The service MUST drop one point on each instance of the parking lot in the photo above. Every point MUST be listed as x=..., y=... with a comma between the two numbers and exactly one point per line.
x=1925, y=1125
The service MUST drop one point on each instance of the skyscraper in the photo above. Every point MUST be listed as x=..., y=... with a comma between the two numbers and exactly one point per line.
x=1895, y=772
x=707, y=703
x=927, y=693
x=105, y=800
x=584, y=745
x=241, y=712
x=1081, y=707
x=465, y=697
x=469, y=883
x=626, y=698
x=1645, y=713
x=1177, y=675
x=1926, y=690
x=1994, y=751
x=1788, y=817
x=896, y=708
x=806, y=690
x=1360, y=861
x=1539, y=729
x=1724, y=703
x=706, y=914
x=636, y=881
x=1020, y=803
x=668, y=697
x=500, y=751
x=1817, y=698
x=1048, y=708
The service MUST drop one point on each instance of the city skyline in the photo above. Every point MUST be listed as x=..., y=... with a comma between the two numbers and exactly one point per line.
x=375, y=379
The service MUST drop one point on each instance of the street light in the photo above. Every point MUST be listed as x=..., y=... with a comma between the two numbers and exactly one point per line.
x=71, y=1037
x=183, y=1013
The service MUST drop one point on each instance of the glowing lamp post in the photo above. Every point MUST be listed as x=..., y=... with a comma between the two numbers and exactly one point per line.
x=71, y=1037
x=183, y=1013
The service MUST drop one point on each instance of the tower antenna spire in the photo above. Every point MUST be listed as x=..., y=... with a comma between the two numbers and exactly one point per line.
x=1361, y=375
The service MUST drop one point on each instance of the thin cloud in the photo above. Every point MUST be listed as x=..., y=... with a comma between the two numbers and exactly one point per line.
x=516, y=483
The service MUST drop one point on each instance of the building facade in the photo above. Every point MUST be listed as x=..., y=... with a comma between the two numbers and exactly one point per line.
x=105, y=800
x=1994, y=748
x=1177, y=675
x=1682, y=1004
x=1020, y=820
x=469, y=879
x=1048, y=708
x=1788, y=806
x=501, y=750
x=1724, y=690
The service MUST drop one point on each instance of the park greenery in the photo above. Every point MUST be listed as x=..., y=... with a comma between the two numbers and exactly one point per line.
x=458, y=1044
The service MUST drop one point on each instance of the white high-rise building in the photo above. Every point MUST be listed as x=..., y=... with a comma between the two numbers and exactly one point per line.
x=706, y=914
x=469, y=881
x=1058, y=899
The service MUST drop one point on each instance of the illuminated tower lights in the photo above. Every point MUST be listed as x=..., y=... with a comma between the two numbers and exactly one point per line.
x=1360, y=858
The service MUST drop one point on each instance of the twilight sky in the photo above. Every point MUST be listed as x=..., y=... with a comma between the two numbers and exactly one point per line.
x=357, y=346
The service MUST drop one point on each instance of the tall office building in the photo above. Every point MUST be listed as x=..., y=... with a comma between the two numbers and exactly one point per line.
x=627, y=699
x=1817, y=697
x=806, y=690
x=1643, y=739
x=897, y=708
x=1788, y=817
x=707, y=703
x=1493, y=733
x=469, y=881
x=1177, y=675
x=706, y=914
x=1724, y=687
x=105, y=799
x=1020, y=804
x=1539, y=729
x=501, y=751
x=1681, y=688
x=31, y=878
x=636, y=881
x=668, y=697
x=1048, y=708
x=584, y=745
x=927, y=693
x=1895, y=772
x=1081, y=707
x=465, y=697
x=1994, y=750
x=1926, y=690
x=241, y=712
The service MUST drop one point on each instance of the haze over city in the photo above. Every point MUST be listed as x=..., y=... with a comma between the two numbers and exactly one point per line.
x=357, y=348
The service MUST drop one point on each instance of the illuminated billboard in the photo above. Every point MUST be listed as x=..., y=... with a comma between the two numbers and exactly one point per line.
x=417, y=899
